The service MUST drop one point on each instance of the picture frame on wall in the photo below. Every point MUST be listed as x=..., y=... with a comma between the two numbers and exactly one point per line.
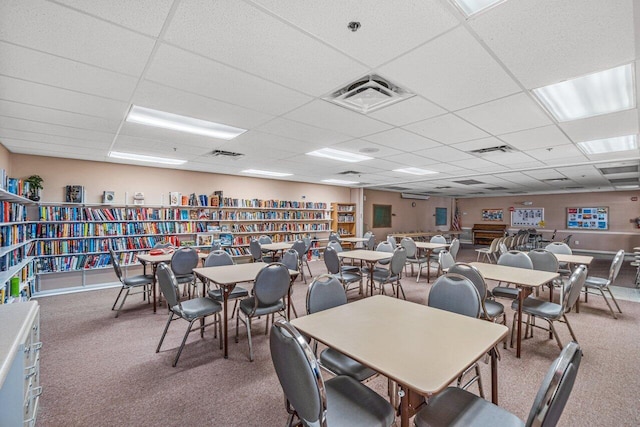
x=493, y=215
x=74, y=194
x=527, y=217
x=588, y=218
x=381, y=216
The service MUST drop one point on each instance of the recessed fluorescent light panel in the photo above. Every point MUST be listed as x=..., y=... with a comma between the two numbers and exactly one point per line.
x=265, y=173
x=162, y=119
x=343, y=156
x=609, y=145
x=627, y=187
x=415, y=171
x=143, y=158
x=471, y=7
x=339, y=181
x=591, y=95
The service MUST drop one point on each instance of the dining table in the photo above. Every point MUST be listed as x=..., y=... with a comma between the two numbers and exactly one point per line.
x=369, y=257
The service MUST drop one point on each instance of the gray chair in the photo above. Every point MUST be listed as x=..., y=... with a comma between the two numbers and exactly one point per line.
x=543, y=260
x=216, y=245
x=412, y=255
x=445, y=261
x=334, y=267
x=326, y=291
x=457, y=294
x=550, y=311
x=370, y=244
x=300, y=247
x=392, y=241
x=270, y=287
x=255, y=248
x=560, y=248
x=512, y=259
x=189, y=310
x=142, y=282
x=438, y=238
x=454, y=247
x=489, y=253
x=334, y=237
x=291, y=260
x=162, y=245
x=334, y=244
x=220, y=258
x=457, y=407
x=490, y=310
x=183, y=261
x=602, y=284
x=307, y=247
x=393, y=274
x=384, y=246
x=339, y=401
x=266, y=257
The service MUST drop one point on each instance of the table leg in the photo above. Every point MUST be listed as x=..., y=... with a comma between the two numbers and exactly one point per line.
x=154, y=267
x=494, y=375
x=429, y=251
x=371, y=265
x=524, y=292
x=409, y=404
x=289, y=301
x=226, y=291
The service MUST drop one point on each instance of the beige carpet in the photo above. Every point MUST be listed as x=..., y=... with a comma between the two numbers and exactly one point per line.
x=100, y=371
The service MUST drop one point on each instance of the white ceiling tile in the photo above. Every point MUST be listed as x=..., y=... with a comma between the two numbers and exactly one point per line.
x=47, y=129
x=362, y=146
x=547, y=136
x=577, y=37
x=410, y=159
x=447, y=129
x=387, y=27
x=45, y=148
x=326, y=115
x=29, y=137
x=145, y=16
x=37, y=24
x=454, y=57
x=259, y=43
x=28, y=64
x=402, y=140
x=477, y=164
x=256, y=141
x=558, y=154
x=408, y=111
x=510, y=114
x=300, y=131
x=605, y=126
x=444, y=154
x=508, y=159
x=478, y=144
x=212, y=79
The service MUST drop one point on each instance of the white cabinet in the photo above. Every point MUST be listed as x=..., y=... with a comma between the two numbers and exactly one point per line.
x=20, y=345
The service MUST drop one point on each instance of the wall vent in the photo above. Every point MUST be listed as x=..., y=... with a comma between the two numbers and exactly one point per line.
x=223, y=153
x=368, y=94
x=496, y=149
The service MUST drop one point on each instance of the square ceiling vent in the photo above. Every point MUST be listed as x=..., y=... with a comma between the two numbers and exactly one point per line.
x=368, y=94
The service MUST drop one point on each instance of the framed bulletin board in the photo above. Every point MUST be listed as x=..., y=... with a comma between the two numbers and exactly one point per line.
x=527, y=217
x=596, y=218
x=381, y=216
x=492, y=215
x=441, y=216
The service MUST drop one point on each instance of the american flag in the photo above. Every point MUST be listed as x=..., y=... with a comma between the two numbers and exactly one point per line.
x=455, y=224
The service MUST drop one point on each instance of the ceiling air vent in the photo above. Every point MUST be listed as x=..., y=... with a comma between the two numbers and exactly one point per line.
x=349, y=173
x=368, y=94
x=496, y=188
x=619, y=169
x=223, y=153
x=468, y=182
x=496, y=149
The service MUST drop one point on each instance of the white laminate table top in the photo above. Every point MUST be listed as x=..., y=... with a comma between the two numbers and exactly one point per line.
x=575, y=259
x=232, y=274
x=157, y=259
x=420, y=347
x=370, y=256
x=519, y=276
x=279, y=246
x=354, y=239
x=429, y=245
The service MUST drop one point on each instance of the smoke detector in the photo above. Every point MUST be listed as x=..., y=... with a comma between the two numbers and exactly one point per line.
x=368, y=94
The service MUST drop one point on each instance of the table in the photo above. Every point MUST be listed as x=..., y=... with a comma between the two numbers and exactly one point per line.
x=424, y=234
x=430, y=247
x=227, y=276
x=370, y=257
x=275, y=247
x=353, y=240
x=522, y=277
x=156, y=260
x=422, y=349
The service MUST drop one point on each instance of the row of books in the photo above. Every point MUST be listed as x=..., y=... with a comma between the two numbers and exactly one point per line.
x=345, y=218
x=13, y=212
x=112, y=229
x=282, y=204
x=14, y=234
x=16, y=186
x=11, y=259
x=251, y=228
x=83, y=262
x=280, y=215
x=276, y=238
x=62, y=247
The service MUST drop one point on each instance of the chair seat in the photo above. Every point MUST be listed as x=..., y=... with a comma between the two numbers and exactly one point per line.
x=367, y=270
x=595, y=282
x=246, y=305
x=383, y=276
x=504, y=292
x=197, y=307
x=351, y=404
x=494, y=308
x=340, y=364
x=237, y=292
x=540, y=308
x=417, y=260
x=348, y=277
x=141, y=280
x=458, y=407
x=350, y=269
x=186, y=278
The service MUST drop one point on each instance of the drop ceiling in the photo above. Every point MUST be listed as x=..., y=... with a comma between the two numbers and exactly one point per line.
x=71, y=69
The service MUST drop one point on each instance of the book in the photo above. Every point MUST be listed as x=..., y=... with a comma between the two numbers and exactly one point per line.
x=175, y=198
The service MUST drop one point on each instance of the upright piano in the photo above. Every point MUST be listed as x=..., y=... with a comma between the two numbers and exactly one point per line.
x=483, y=234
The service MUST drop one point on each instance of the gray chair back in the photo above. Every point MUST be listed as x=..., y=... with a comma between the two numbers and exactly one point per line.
x=298, y=373
x=454, y=247
x=543, y=260
x=334, y=237
x=410, y=246
x=291, y=259
x=184, y=260
x=162, y=245
x=556, y=388
x=438, y=239
x=559, y=248
x=385, y=247
x=398, y=260
x=301, y=248
x=264, y=239
x=325, y=292
x=392, y=241
x=307, y=244
x=115, y=261
x=516, y=259
x=256, y=250
x=473, y=274
x=335, y=245
x=216, y=245
x=370, y=244
x=445, y=259
x=271, y=284
x=616, y=264
x=218, y=258
x=168, y=285
x=331, y=260
x=574, y=286
x=503, y=247
x=456, y=294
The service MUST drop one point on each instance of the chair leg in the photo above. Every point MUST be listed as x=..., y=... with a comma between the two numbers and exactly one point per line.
x=117, y=298
x=573, y=336
x=555, y=333
x=480, y=388
x=166, y=328
x=249, y=337
x=202, y=327
x=184, y=340
x=614, y=299
x=219, y=317
x=608, y=304
x=122, y=302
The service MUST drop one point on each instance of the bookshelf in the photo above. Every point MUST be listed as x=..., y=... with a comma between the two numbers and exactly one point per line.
x=76, y=238
x=17, y=269
x=343, y=219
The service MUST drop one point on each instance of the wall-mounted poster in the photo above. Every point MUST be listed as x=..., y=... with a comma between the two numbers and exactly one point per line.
x=381, y=216
x=588, y=218
x=492, y=215
x=527, y=217
x=441, y=216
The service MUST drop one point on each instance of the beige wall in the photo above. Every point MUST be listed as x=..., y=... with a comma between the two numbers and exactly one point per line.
x=405, y=217
x=622, y=234
x=156, y=183
x=5, y=157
